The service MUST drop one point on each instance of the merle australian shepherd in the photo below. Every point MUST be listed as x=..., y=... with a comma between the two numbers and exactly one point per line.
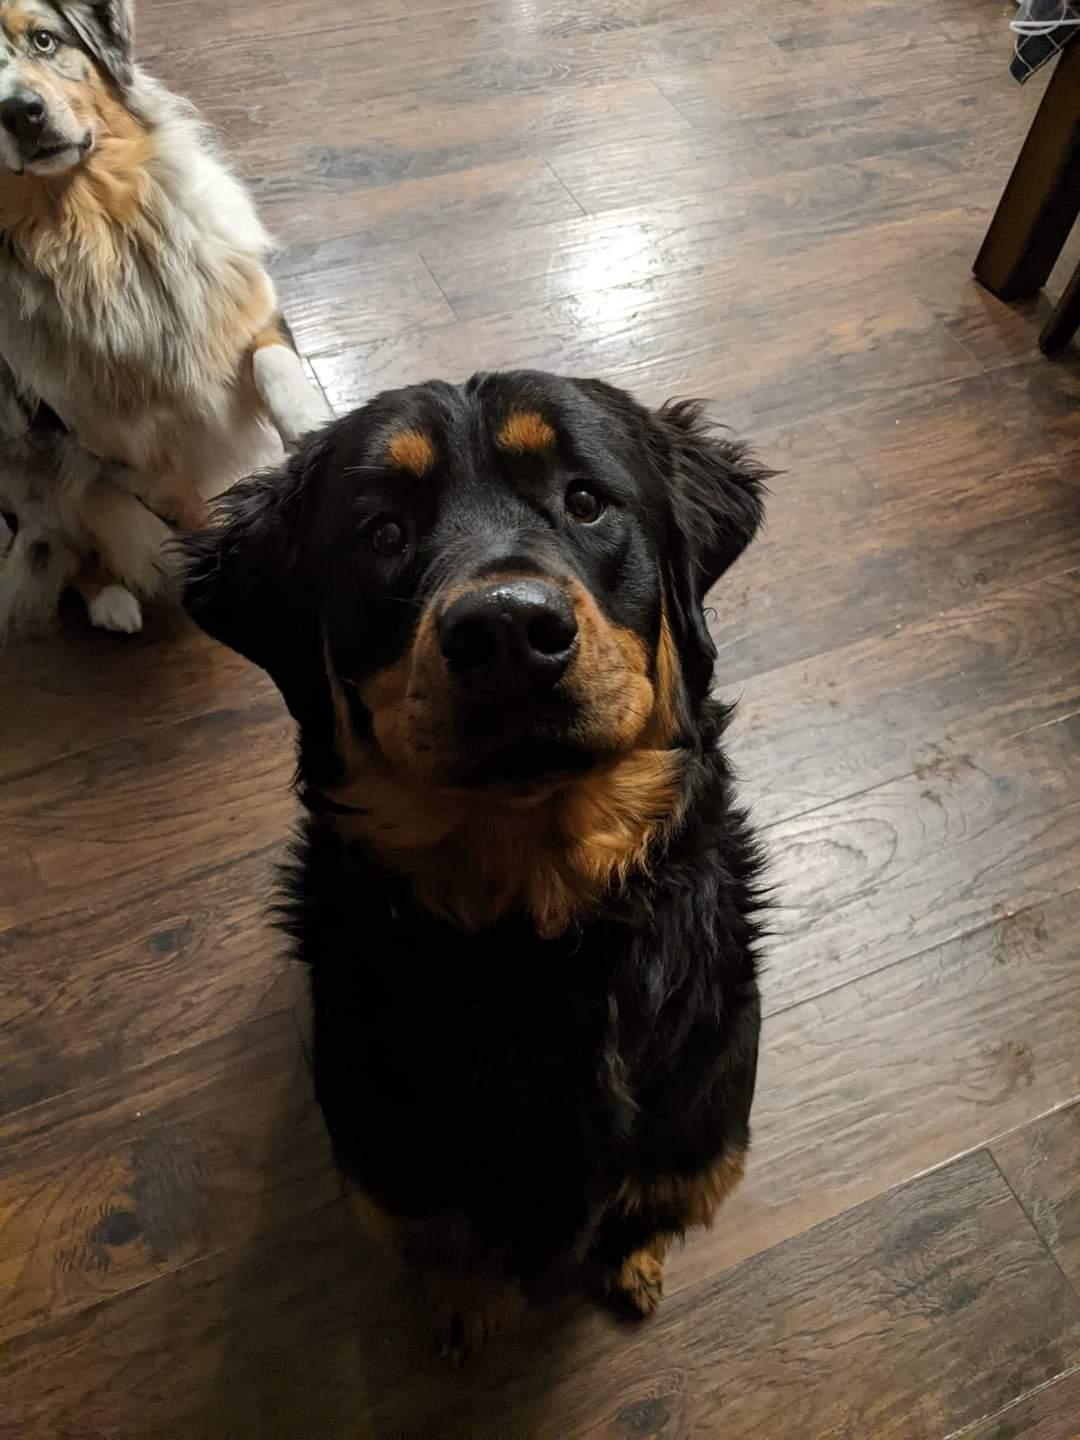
x=526, y=895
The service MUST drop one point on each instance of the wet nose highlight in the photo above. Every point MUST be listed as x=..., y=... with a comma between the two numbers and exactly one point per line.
x=513, y=635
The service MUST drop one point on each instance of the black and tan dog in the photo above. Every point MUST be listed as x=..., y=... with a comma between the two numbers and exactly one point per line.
x=526, y=897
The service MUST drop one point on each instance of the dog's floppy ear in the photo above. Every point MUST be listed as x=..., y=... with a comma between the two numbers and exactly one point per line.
x=715, y=489
x=243, y=581
x=107, y=29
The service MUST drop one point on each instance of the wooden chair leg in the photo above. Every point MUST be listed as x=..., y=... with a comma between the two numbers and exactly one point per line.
x=1065, y=321
x=1042, y=199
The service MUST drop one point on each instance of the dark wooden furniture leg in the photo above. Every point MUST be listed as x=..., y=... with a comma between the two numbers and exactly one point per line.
x=1042, y=199
x=1065, y=321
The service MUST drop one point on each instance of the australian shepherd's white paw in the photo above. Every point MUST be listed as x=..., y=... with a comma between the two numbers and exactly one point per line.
x=116, y=609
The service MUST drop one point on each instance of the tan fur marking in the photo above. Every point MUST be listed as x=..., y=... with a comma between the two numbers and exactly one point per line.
x=271, y=334
x=17, y=21
x=638, y=1284
x=526, y=431
x=554, y=853
x=664, y=722
x=695, y=1199
x=410, y=450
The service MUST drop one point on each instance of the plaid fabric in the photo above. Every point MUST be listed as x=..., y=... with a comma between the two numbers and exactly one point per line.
x=1043, y=29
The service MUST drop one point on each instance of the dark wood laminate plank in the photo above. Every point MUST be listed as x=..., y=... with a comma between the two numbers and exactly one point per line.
x=107, y=823
x=81, y=688
x=686, y=334
x=894, y=48
x=336, y=294
x=488, y=48
x=394, y=139
x=845, y=558
x=707, y=95
x=913, y=442
x=775, y=216
x=1052, y=1412
x=769, y=146
x=507, y=195
x=920, y=860
x=884, y=1322
x=910, y=702
x=205, y=24
x=119, y=1183
x=894, y=1074
x=1042, y=1164
x=127, y=979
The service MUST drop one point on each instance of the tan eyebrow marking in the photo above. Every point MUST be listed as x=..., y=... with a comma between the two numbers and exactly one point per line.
x=411, y=450
x=526, y=430
x=17, y=21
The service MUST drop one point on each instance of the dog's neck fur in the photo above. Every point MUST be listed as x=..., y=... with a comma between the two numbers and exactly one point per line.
x=75, y=228
x=554, y=856
x=554, y=859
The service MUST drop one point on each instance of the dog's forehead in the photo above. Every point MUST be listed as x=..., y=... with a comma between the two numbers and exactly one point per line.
x=19, y=16
x=435, y=429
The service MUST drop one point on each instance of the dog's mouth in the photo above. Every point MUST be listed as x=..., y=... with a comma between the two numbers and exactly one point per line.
x=45, y=154
x=529, y=763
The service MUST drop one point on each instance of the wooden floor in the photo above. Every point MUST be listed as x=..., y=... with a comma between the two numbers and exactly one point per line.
x=774, y=203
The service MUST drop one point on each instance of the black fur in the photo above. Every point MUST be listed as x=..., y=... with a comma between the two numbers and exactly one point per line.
x=514, y=1080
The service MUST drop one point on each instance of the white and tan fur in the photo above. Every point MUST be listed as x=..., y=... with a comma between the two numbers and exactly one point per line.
x=135, y=304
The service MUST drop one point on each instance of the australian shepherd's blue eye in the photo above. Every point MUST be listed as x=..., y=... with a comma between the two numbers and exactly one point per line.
x=387, y=537
x=584, y=504
x=44, y=42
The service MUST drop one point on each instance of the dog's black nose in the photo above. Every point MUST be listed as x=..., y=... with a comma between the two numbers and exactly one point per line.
x=23, y=115
x=511, y=635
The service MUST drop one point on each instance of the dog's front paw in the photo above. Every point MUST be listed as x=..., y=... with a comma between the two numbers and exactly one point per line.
x=116, y=609
x=468, y=1310
x=634, y=1288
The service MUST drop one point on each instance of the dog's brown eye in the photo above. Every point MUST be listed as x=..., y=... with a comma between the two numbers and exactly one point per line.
x=584, y=504
x=387, y=538
x=44, y=42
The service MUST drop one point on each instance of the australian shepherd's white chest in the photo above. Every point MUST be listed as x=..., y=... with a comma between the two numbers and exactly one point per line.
x=143, y=364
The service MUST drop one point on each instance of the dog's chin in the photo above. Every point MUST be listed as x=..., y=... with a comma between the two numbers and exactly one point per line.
x=530, y=766
x=57, y=157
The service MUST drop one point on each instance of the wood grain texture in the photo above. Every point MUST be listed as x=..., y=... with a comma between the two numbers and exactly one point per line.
x=806, y=1340
x=810, y=734
x=120, y=1182
x=1051, y=1413
x=121, y=692
x=1042, y=1164
x=133, y=811
x=661, y=338
x=843, y=556
x=925, y=858
x=784, y=215
x=127, y=979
